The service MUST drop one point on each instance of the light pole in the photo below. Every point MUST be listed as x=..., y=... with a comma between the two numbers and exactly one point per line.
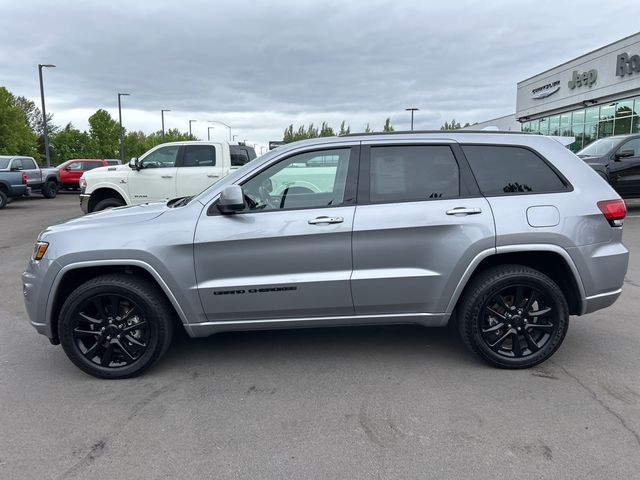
x=413, y=109
x=190, y=121
x=209, y=133
x=162, y=115
x=234, y=138
x=121, y=131
x=228, y=126
x=44, y=114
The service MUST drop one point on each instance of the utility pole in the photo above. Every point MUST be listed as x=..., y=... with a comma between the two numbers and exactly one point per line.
x=190, y=121
x=121, y=131
x=44, y=114
x=209, y=133
x=162, y=115
x=412, y=109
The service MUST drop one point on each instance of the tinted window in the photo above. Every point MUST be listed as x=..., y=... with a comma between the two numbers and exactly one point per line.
x=413, y=173
x=199, y=156
x=29, y=164
x=4, y=163
x=164, y=157
x=239, y=156
x=501, y=170
x=17, y=164
x=300, y=182
x=631, y=145
x=91, y=165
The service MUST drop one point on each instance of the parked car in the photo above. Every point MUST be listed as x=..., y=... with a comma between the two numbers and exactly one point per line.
x=44, y=180
x=166, y=171
x=72, y=170
x=617, y=160
x=502, y=235
x=12, y=184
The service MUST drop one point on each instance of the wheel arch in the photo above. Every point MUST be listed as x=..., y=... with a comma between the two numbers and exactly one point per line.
x=103, y=193
x=73, y=275
x=551, y=260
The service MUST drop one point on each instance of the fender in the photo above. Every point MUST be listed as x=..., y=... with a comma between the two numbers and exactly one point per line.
x=104, y=184
x=525, y=247
x=116, y=262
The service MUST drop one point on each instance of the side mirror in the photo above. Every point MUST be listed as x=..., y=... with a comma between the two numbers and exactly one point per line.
x=625, y=154
x=133, y=164
x=231, y=199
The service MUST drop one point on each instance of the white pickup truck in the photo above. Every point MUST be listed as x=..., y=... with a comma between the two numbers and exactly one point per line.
x=167, y=171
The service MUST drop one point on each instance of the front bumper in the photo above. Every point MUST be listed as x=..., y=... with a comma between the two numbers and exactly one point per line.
x=84, y=202
x=37, y=281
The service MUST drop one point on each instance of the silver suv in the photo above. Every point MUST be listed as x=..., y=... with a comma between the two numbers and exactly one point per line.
x=502, y=235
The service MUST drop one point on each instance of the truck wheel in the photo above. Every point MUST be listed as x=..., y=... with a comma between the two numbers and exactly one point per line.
x=3, y=199
x=108, y=203
x=49, y=189
x=513, y=316
x=115, y=326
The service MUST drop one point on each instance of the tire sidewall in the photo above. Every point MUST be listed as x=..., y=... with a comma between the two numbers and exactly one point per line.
x=555, y=299
x=108, y=203
x=3, y=199
x=66, y=325
x=49, y=189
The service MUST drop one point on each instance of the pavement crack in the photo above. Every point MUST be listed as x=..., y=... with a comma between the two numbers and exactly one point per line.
x=594, y=395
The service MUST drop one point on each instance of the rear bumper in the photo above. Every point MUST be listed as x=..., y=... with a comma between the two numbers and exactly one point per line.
x=17, y=190
x=84, y=202
x=600, y=301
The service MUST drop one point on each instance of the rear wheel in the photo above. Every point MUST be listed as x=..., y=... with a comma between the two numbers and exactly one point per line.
x=108, y=203
x=3, y=199
x=513, y=316
x=49, y=189
x=115, y=326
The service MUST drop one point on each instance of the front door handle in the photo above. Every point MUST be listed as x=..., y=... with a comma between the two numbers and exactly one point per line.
x=321, y=220
x=166, y=176
x=464, y=211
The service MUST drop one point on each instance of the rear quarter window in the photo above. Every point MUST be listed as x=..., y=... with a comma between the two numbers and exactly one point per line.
x=509, y=170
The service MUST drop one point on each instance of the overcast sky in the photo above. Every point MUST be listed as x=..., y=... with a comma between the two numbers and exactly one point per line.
x=260, y=66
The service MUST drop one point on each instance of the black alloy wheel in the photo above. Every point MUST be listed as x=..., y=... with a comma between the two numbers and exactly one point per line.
x=513, y=316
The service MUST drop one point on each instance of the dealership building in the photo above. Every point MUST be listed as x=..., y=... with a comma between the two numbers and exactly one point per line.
x=593, y=96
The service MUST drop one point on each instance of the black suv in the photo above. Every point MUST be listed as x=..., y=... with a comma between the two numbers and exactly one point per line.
x=617, y=160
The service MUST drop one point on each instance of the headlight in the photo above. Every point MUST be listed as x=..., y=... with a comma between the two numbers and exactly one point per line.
x=83, y=183
x=39, y=250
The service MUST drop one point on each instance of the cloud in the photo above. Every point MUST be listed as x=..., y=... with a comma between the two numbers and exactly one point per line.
x=262, y=65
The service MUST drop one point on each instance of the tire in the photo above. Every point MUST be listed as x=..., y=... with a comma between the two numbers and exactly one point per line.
x=513, y=316
x=49, y=189
x=3, y=200
x=137, y=336
x=108, y=203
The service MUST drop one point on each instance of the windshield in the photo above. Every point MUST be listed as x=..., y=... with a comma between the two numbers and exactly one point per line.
x=599, y=147
x=4, y=162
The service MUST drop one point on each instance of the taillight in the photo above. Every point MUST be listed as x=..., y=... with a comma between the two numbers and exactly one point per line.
x=614, y=211
x=24, y=178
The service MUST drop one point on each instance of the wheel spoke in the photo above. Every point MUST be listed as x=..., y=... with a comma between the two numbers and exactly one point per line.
x=539, y=313
x=97, y=302
x=515, y=344
x=84, y=333
x=495, y=313
x=115, y=305
x=135, y=326
x=135, y=341
x=541, y=326
x=91, y=351
x=90, y=319
x=494, y=328
x=517, y=301
x=123, y=348
x=498, y=343
x=130, y=313
x=532, y=298
x=533, y=346
x=106, y=356
x=503, y=303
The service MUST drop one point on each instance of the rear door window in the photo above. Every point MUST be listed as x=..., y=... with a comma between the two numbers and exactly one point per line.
x=17, y=164
x=508, y=170
x=199, y=156
x=29, y=164
x=239, y=156
x=412, y=173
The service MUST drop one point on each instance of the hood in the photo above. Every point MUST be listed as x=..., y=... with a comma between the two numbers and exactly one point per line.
x=116, y=216
x=107, y=168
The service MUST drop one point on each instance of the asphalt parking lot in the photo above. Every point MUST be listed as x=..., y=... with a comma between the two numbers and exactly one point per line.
x=393, y=402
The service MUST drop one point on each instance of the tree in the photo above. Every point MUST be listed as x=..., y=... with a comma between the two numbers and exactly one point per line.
x=451, y=126
x=71, y=143
x=387, y=126
x=34, y=116
x=344, y=129
x=326, y=130
x=105, y=134
x=16, y=137
x=367, y=129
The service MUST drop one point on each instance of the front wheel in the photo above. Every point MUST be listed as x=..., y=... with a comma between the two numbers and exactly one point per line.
x=49, y=189
x=3, y=199
x=513, y=316
x=108, y=203
x=115, y=326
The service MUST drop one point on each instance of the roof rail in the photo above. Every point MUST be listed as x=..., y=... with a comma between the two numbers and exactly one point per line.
x=446, y=132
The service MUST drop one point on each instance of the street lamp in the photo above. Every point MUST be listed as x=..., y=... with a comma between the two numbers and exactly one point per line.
x=190, y=121
x=222, y=123
x=44, y=114
x=413, y=109
x=162, y=115
x=209, y=133
x=121, y=131
x=234, y=138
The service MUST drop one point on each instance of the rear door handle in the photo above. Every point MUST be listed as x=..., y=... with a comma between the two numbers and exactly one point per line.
x=464, y=211
x=212, y=176
x=166, y=176
x=321, y=220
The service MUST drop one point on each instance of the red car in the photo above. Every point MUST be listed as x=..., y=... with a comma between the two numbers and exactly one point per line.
x=72, y=170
